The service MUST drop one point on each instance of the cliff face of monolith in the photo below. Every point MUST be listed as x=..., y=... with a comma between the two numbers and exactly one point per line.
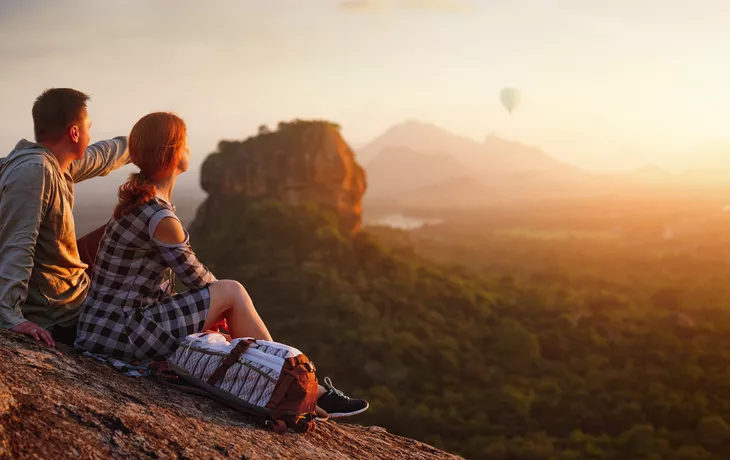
x=301, y=163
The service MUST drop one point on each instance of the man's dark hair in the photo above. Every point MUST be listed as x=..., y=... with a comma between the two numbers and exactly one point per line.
x=55, y=110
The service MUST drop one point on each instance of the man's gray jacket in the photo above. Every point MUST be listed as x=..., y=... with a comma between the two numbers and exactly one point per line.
x=42, y=278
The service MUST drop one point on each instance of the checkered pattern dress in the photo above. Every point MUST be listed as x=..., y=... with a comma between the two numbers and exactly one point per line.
x=131, y=311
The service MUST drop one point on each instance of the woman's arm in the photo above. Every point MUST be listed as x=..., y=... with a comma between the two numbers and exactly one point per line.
x=173, y=243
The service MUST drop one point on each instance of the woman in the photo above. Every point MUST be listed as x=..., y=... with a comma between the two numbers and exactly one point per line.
x=131, y=311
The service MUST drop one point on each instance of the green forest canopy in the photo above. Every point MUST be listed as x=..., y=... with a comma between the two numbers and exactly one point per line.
x=494, y=344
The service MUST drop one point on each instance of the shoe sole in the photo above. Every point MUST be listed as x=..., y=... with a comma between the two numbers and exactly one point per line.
x=348, y=414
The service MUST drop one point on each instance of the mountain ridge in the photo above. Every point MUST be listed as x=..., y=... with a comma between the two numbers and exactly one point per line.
x=505, y=166
x=386, y=171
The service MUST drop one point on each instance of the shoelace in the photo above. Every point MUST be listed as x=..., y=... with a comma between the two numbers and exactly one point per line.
x=332, y=388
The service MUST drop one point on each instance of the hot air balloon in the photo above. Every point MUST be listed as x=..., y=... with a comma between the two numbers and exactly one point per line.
x=510, y=97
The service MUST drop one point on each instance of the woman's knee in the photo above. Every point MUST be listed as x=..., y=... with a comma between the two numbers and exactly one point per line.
x=228, y=289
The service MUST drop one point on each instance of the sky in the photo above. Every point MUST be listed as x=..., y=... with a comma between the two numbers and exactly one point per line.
x=606, y=85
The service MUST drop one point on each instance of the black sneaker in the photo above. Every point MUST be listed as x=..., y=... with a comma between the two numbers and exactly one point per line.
x=337, y=404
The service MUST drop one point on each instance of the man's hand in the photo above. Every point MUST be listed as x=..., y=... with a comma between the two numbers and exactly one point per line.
x=32, y=329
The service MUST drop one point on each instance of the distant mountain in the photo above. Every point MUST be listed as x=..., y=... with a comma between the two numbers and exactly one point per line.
x=415, y=158
x=421, y=137
x=500, y=155
x=396, y=170
x=494, y=154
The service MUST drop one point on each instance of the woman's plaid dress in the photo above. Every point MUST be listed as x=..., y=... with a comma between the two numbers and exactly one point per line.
x=131, y=311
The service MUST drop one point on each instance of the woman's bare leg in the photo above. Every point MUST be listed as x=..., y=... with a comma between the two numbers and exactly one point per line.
x=229, y=300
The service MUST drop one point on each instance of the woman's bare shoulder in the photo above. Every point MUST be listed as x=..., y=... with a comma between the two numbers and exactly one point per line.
x=169, y=231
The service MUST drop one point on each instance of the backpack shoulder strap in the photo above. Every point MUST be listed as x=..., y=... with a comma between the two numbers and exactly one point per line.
x=229, y=360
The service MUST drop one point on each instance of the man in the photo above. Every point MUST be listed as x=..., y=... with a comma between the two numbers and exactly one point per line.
x=43, y=281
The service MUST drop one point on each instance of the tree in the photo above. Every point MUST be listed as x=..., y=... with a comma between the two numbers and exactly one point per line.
x=515, y=346
x=713, y=431
x=667, y=299
x=640, y=439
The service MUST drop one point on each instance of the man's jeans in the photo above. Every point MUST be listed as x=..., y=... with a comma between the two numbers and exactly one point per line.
x=88, y=247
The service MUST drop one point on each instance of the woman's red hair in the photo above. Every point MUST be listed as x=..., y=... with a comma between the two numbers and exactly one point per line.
x=155, y=146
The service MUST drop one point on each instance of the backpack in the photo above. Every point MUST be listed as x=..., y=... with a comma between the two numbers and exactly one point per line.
x=258, y=377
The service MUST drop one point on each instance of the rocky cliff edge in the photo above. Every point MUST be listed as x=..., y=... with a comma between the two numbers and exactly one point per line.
x=58, y=404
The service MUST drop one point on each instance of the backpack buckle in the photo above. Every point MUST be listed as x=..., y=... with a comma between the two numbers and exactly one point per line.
x=278, y=426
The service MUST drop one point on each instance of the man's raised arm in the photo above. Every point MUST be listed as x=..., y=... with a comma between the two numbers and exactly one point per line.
x=100, y=159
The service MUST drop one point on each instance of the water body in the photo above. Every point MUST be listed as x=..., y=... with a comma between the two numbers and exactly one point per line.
x=403, y=222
